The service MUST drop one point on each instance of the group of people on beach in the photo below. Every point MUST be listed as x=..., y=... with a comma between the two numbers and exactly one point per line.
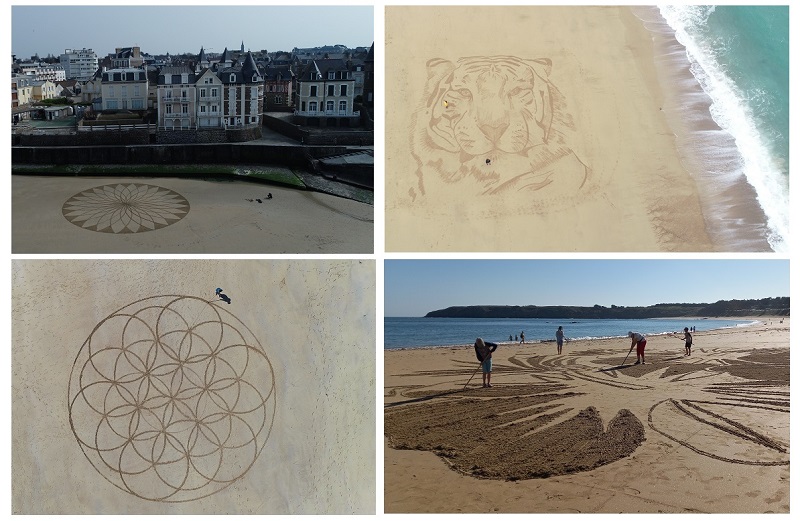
x=484, y=350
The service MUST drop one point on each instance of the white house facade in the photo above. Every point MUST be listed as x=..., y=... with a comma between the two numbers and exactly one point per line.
x=124, y=89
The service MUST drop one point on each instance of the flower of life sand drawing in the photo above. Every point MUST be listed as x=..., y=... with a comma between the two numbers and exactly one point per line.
x=171, y=398
x=494, y=125
x=125, y=208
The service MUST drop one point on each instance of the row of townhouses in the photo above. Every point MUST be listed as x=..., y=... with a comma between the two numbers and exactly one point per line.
x=224, y=91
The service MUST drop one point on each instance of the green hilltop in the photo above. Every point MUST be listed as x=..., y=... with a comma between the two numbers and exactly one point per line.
x=777, y=306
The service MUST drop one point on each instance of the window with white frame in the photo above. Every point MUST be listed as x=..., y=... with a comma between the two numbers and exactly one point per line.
x=278, y=99
x=342, y=107
x=202, y=109
x=312, y=106
x=233, y=78
x=213, y=93
x=202, y=93
x=329, y=106
x=185, y=109
x=331, y=75
x=168, y=108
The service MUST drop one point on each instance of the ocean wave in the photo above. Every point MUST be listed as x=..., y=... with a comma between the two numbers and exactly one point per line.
x=732, y=110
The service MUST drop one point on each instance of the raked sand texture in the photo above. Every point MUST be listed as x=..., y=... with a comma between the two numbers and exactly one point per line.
x=530, y=129
x=134, y=391
x=170, y=215
x=581, y=432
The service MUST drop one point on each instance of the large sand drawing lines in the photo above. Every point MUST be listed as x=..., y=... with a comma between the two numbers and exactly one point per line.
x=514, y=436
x=731, y=406
x=125, y=208
x=491, y=125
x=171, y=398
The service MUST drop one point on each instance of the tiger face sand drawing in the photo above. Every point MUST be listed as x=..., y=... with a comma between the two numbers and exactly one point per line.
x=494, y=124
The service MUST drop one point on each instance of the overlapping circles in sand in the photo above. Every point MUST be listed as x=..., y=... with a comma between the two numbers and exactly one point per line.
x=171, y=398
x=125, y=208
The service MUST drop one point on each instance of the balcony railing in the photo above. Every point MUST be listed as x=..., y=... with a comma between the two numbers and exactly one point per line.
x=177, y=99
x=354, y=114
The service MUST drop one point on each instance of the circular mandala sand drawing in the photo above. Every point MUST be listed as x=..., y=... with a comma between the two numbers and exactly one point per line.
x=171, y=398
x=125, y=208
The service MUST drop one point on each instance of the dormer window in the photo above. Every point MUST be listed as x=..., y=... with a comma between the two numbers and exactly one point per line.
x=331, y=75
x=233, y=78
x=255, y=77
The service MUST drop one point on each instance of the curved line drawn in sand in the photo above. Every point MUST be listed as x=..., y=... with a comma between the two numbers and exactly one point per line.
x=125, y=208
x=171, y=398
x=492, y=125
x=733, y=430
x=520, y=421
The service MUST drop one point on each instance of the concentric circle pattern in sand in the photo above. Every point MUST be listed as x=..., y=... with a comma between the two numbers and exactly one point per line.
x=125, y=208
x=171, y=398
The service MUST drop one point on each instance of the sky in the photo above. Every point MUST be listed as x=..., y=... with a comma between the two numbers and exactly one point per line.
x=412, y=288
x=177, y=29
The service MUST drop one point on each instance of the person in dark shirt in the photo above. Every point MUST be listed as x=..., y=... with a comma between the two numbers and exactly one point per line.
x=223, y=296
x=484, y=350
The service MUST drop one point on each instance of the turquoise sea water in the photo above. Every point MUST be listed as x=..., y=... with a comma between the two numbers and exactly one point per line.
x=399, y=332
x=740, y=57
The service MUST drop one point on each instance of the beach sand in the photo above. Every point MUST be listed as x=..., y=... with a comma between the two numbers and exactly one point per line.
x=283, y=378
x=580, y=432
x=603, y=170
x=223, y=217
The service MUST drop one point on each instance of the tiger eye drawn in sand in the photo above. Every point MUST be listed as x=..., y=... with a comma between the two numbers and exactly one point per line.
x=494, y=125
x=172, y=398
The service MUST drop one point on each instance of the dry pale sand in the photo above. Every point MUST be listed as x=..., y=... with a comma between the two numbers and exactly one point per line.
x=132, y=394
x=580, y=432
x=593, y=166
x=223, y=217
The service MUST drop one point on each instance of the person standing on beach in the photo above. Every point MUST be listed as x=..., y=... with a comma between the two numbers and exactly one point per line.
x=687, y=338
x=560, y=338
x=638, y=340
x=484, y=350
x=522, y=337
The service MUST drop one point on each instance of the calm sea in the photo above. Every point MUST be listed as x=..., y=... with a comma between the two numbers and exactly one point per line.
x=401, y=332
x=740, y=57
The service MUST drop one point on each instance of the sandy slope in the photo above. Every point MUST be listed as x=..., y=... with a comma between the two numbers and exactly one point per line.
x=564, y=433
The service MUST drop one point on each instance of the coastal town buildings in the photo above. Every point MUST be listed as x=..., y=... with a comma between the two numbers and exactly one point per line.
x=79, y=64
x=177, y=99
x=44, y=71
x=127, y=58
x=325, y=92
x=21, y=90
x=278, y=81
x=43, y=90
x=124, y=89
x=225, y=95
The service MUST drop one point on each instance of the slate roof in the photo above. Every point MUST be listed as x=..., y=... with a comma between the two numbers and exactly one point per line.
x=176, y=70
